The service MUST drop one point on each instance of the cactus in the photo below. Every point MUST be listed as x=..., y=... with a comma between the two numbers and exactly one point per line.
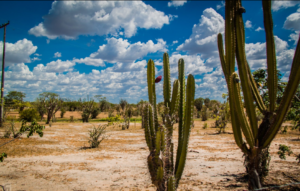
x=165, y=175
x=257, y=138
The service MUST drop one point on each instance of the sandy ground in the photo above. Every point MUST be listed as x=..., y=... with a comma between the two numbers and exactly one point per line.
x=60, y=161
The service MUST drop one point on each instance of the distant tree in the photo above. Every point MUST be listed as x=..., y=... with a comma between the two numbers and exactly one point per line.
x=16, y=99
x=40, y=107
x=123, y=103
x=14, y=95
x=103, y=103
x=206, y=102
x=52, y=103
x=198, y=103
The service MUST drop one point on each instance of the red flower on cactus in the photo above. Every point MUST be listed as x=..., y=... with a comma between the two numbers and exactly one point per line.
x=158, y=79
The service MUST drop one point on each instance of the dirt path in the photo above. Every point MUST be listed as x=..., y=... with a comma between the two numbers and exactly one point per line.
x=58, y=162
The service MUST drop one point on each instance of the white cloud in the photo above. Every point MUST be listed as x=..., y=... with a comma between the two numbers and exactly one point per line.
x=176, y=3
x=248, y=24
x=276, y=5
x=120, y=50
x=259, y=29
x=90, y=61
x=203, y=39
x=221, y=5
x=18, y=52
x=175, y=42
x=292, y=22
x=69, y=19
x=57, y=54
x=294, y=37
x=256, y=55
x=35, y=58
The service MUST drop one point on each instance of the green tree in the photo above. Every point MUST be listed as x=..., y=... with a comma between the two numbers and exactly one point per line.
x=206, y=102
x=16, y=99
x=198, y=103
x=52, y=103
x=14, y=95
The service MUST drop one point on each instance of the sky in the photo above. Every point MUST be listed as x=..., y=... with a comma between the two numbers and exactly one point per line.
x=86, y=48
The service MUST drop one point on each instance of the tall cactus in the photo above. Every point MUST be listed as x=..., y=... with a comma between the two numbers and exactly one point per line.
x=257, y=137
x=165, y=175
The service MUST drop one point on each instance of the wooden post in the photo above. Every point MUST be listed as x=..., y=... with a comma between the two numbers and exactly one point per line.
x=2, y=79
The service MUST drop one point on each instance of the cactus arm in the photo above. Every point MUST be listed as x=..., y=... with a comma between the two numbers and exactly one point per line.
x=171, y=184
x=181, y=108
x=160, y=173
x=271, y=55
x=167, y=81
x=157, y=144
x=147, y=128
x=243, y=72
x=151, y=89
x=175, y=96
x=229, y=36
x=150, y=79
x=259, y=102
x=222, y=57
x=163, y=140
x=288, y=95
x=190, y=95
x=152, y=125
x=240, y=111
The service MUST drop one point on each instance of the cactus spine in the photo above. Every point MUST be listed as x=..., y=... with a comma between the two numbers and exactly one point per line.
x=164, y=174
x=257, y=138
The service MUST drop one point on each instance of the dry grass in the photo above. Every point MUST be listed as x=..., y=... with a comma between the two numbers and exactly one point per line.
x=61, y=161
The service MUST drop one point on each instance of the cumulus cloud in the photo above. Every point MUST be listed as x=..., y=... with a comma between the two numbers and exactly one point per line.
x=194, y=64
x=57, y=54
x=120, y=50
x=90, y=61
x=292, y=21
x=175, y=42
x=221, y=5
x=259, y=29
x=276, y=5
x=18, y=52
x=69, y=19
x=203, y=39
x=176, y=3
x=248, y=24
x=294, y=37
x=256, y=55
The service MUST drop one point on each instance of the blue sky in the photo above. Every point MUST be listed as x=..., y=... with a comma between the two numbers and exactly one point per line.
x=81, y=48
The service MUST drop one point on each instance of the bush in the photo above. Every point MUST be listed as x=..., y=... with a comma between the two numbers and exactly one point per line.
x=10, y=129
x=62, y=112
x=85, y=117
x=97, y=135
x=205, y=126
x=29, y=115
x=283, y=149
x=112, y=119
x=95, y=113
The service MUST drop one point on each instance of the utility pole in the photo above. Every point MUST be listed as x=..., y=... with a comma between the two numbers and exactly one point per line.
x=2, y=80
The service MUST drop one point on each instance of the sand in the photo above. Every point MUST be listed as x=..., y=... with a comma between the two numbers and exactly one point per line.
x=61, y=161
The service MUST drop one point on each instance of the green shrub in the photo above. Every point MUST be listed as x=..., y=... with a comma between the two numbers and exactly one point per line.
x=62, y=112
x=95, y=113
x=29, y=115
x=205, y=126
x=283, y=149
x=97, y=135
